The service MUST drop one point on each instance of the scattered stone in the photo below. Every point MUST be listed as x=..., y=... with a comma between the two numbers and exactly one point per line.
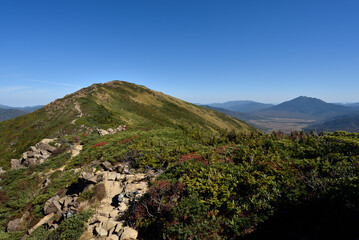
x=88, y=177
x=100, y=231
x=102, y=132
x=129, y=234
x=112, y=237
x=52, y=205
x=35, y=155
x=106, y=166
x=45, y=147
x=16, y=164
x=14, y=225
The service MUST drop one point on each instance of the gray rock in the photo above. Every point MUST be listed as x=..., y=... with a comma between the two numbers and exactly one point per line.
x=129, y=234
x=88, y=177
x=120, y=197
x=2, y=171
x=102, y=132
x=52, y=205
x=107, y=165
x=45, y=147
x=14, y=225
x=16, y=164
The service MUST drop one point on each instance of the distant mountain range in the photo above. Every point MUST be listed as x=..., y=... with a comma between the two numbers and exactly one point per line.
x=7, y=112
x=296, y=114
x=244, y=106
x=26, y=109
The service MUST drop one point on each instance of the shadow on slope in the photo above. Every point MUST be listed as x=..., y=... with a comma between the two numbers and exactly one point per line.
x=317, y=219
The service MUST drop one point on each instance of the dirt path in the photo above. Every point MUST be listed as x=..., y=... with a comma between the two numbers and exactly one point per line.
x=77, y=107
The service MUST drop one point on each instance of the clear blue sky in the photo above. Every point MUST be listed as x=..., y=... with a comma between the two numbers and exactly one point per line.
x=200, y=51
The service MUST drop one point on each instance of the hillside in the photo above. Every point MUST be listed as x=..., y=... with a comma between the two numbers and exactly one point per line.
x=107, y=106
x=349, y=123
x=6, y=114
x=305, y=108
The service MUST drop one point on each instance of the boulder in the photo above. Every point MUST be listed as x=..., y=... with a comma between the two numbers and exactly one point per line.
x=129, y=234
x=88, y=177
x=14, y=225
x=2, y=171
x=102, y=132
x=45, y=147
x=52, y=205
x=112, y=237
x=100, y=231
x=16, y=164
x=106, y=165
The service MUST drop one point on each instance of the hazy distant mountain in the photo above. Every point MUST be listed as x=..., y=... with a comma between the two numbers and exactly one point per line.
x=6, y=114
x=305, y=108
x=26, y=109
x=354, y=106
x=349, y=123
x=244, y=106
x=242, y=116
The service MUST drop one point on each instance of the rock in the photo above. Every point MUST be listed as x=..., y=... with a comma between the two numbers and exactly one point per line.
x=113, y=214
x=33, y=149
x=122, y=207
x=45, y=147
x=16, y=164
x=120, y=198
x=118, y=229
x=129, y=234
x=2, y=171
x=106, y=165
x=88, y=177
x=110, y=131
x=112, y=237
x=102, y=132
x=52, y=205
x=100, y=231
x=110, y=224
x=111, y=176
x=64, y=201
x=14, y=225
x=76, y=150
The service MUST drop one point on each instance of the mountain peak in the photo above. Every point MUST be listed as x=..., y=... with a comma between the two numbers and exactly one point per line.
x=305, y=108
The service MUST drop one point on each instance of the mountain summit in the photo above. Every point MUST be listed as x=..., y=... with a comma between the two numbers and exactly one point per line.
x=305, y=108
x=109, y=105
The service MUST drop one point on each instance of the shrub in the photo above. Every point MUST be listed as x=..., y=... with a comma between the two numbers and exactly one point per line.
x=100, y=192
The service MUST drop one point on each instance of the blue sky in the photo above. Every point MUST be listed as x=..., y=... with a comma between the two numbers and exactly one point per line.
x=199, y=51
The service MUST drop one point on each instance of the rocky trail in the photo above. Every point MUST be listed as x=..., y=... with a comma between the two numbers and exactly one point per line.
x=77, y=107
x=118, y=185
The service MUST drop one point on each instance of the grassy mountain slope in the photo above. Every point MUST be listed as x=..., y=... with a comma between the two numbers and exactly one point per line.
x=305, y=108
x=108, y=105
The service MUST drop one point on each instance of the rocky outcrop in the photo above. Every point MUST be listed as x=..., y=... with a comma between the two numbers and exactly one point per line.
x=35, y=155
x=123, y=186
x=103, y=132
